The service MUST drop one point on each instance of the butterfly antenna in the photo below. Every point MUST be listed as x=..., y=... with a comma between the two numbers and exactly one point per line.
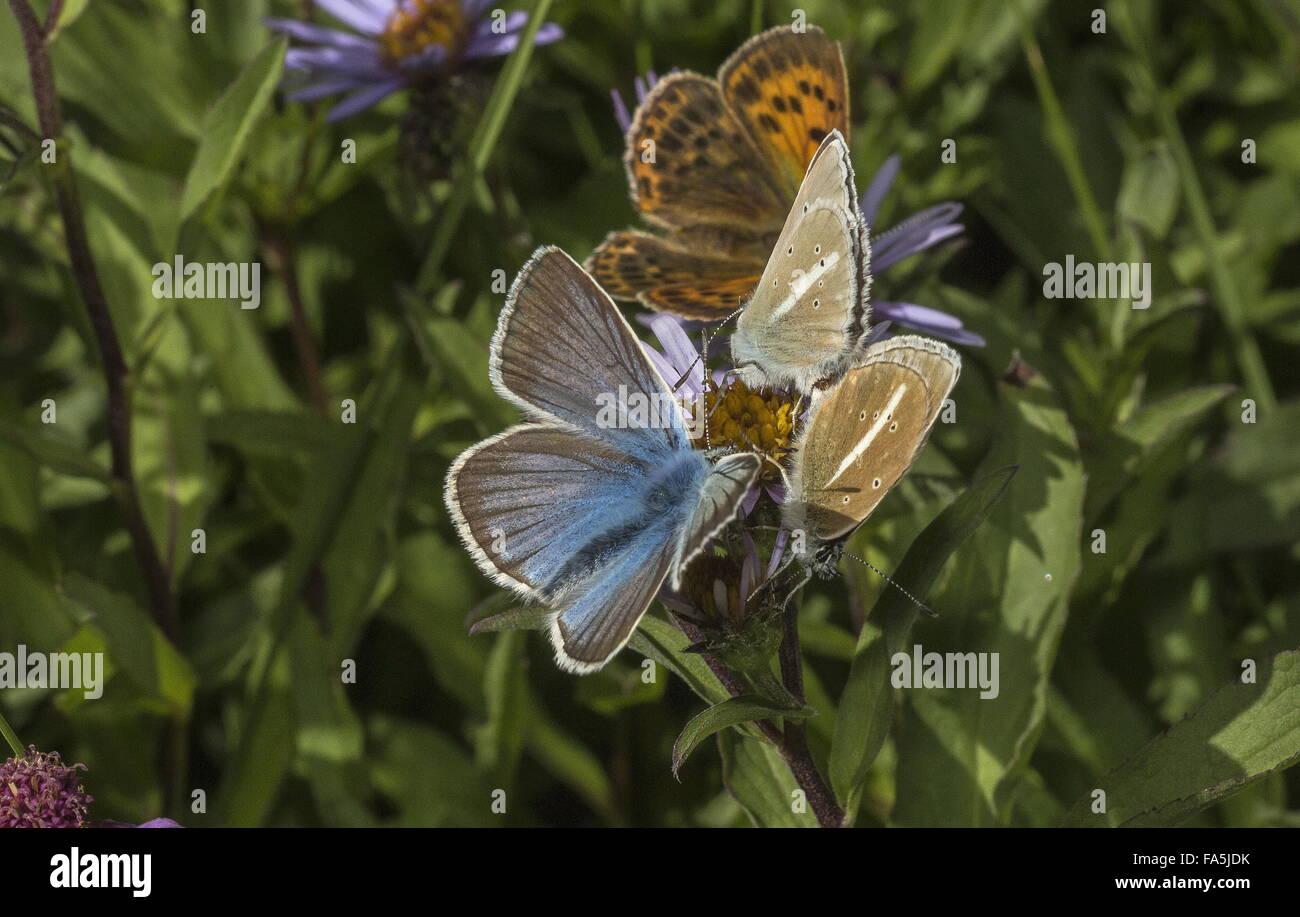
x=887, y=578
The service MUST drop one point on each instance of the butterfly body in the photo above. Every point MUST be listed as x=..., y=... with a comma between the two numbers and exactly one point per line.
x=860, y=438
x=585, y=517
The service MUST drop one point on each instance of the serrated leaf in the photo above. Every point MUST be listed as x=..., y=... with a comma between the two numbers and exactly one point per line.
x=731, y=712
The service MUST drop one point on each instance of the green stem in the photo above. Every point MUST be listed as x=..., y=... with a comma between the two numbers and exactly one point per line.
x=1227, y=295
x=11, y=737
x=481, y=146
x=1061, y=137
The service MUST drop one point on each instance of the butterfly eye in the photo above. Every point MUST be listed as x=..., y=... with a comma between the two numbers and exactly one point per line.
x=846, y=499
x=805, y=208
x=862, y=416
x=875, y=415
x=823, y=262
x=893, y=426
x=817, y=250
x=875, y=484
x=817, y=303
x=790, y=250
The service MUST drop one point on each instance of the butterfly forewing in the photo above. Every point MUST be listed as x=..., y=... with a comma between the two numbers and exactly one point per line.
x=810, y=306
x=864, y=434
x=690, y=161
x=790, y=92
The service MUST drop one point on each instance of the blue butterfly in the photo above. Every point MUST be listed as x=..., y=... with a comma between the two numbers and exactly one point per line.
x=585, y=516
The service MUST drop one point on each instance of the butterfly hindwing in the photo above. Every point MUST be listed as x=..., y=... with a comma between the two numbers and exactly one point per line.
x=862, y=435
x=670, y=276
x=790, y=91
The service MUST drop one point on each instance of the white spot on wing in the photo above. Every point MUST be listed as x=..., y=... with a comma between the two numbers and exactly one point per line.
x=871, y=434
x=802, y=283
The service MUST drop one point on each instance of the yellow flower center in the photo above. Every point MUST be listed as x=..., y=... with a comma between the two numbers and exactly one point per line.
x=751, y=420
x=418, y=24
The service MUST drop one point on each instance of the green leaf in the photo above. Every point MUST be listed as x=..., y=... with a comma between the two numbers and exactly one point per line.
x=505, y=689
x=54, y=451
x=731, y=712
x=1240, y=734
x=660, y=641
x=1150, y=193
x=527, y=618
x=228, y=123
x=759, y=779
x=1007, y=597
x=135, y=644
x=866, y=705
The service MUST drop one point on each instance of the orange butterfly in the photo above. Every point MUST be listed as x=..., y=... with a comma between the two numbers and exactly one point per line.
x=715, y=164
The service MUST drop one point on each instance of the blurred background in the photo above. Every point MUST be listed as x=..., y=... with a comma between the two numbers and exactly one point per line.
x=1170, y=430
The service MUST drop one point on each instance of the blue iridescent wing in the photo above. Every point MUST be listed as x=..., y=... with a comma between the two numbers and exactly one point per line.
x=561, y=346
x=527, y=500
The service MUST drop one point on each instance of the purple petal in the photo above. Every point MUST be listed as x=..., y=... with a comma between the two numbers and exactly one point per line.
x=915, y=234
x=750, y=500
x=778, y=551
x=355, y=62
x=325, y=87
x=160, y=823
x=879, y=187
x=681, y=353
x=368, y=18
x=363, y=99
x=669, y=372
x=317, y=34
x=621, y=114
x=915, y=316
x=931, y=321
x=496, y=45
x=473, y=9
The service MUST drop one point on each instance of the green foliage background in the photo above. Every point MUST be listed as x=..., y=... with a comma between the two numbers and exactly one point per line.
x=1124, y=146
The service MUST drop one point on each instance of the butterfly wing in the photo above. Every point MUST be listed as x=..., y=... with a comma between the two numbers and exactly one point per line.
x=562, y=349
x=691, y=162
x=718, y=503
x=809, y=309
x=862, y=435
x=697, y=281
x=790, y=92
x=598, y=617
x=526, y=500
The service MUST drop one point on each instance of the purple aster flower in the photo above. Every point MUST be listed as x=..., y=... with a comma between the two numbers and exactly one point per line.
x=393, y=44
x=37, y=790
x=910, y=237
